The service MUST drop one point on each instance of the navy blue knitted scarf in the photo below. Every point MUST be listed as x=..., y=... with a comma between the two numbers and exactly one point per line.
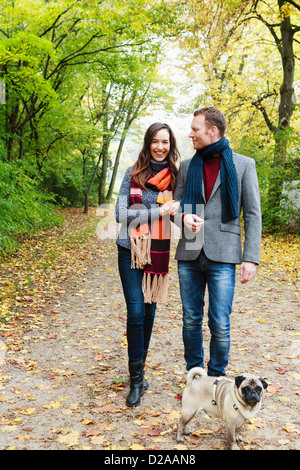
x=229, y=186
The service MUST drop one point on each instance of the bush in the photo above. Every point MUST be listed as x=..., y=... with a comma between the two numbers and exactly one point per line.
x=279, y=212
x=23, y=209
x=63, y=179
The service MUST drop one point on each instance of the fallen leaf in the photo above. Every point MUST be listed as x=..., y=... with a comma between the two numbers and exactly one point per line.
x=137, y=447
x=152, y=431
x=24, y=437
x=87, y=421
x=97, y=440
x=68, y=437
x=283, y=441
x=180, y=447
x=28, y=411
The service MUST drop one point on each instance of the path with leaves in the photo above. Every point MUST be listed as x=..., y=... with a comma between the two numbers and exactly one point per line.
x=63, y=356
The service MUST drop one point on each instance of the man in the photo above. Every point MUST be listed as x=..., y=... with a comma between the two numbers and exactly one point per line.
x=214, y=187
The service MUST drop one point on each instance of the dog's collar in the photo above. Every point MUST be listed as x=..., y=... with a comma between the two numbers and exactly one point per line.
x=238, y=407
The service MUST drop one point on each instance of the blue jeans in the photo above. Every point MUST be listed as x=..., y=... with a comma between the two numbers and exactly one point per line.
x=220, y=280
x=140, y=316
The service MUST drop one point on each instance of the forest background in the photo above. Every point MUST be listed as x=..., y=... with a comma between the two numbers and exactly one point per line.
x=81, y=80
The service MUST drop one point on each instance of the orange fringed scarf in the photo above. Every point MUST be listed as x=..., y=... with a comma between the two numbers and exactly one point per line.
x=150, y=248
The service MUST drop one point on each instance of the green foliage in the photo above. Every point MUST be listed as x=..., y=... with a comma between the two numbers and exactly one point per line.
x=57, y=60
x=245, y=54
x=79, y=73
x=23, y=209
x=285, y=216
x=63, y=179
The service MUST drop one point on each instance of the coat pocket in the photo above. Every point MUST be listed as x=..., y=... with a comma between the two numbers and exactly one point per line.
x=232, y=228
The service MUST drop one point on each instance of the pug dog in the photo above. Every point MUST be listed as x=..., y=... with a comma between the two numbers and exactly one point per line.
x=234, y=401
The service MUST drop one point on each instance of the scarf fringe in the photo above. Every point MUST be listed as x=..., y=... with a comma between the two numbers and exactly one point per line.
x=155, y=287
x=140, y=251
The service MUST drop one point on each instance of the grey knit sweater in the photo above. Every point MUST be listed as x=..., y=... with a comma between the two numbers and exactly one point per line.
x=149, y=211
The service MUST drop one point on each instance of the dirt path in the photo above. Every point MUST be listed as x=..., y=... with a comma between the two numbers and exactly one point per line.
x=64, y=386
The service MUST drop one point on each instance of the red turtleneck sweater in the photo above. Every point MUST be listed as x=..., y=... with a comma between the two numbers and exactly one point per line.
x=211, y=168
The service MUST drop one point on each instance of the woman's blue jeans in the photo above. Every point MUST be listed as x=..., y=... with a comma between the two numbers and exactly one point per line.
x=140, y=316
x=220, y=280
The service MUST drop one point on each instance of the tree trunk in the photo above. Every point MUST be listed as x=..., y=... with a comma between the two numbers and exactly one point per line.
x=85, y=192
x=116, y=166
x=86, y=203
x=285, y=110
x=132, y=113
x=288, y=68
x=105, y=148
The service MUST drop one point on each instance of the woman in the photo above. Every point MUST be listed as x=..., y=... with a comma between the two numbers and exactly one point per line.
x=144, y=199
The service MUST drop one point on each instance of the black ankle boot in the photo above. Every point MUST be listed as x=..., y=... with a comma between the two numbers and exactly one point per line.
x=145, y=383
x=136, y=383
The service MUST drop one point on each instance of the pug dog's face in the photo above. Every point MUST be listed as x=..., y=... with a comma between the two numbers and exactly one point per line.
x=250, y=388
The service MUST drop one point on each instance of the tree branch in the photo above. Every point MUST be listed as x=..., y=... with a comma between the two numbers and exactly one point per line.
x=270, y=26
x=291, y=2
x=296, y=29
x=54, y=23
x=258, y=105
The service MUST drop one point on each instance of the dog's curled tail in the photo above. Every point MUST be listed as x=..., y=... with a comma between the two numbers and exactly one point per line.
x=195, y=373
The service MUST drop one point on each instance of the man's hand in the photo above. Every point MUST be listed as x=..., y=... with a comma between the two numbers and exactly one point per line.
x=247, y=271
x=193, y=222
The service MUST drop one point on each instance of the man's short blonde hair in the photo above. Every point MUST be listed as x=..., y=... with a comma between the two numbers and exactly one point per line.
x=213, y=117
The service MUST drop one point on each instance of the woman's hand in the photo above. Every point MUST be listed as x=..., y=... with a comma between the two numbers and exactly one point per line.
x=170, y=207
x=174, y=207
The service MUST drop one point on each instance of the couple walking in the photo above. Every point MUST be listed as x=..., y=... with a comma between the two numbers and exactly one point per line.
x=204, y=198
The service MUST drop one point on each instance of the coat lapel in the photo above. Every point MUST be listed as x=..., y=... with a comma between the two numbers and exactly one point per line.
x=216, y=185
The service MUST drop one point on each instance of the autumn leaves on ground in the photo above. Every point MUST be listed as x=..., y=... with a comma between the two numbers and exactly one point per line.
x=63, y=357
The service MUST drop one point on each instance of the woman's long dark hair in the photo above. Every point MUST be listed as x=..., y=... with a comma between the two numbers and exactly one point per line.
x=141, y=170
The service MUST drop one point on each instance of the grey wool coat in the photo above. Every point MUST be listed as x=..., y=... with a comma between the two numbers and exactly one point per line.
x=222, y=242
